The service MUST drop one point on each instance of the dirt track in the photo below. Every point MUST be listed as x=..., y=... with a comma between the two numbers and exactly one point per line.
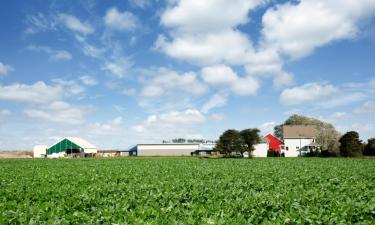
x=15, y=154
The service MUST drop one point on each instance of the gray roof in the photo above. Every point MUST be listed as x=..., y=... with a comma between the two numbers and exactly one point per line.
x=299, y=131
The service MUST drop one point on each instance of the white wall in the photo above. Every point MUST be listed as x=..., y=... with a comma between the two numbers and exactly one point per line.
x=294, y=145
x=260, y=150
x=166, y=149
x=90, y=150
x=40, y=151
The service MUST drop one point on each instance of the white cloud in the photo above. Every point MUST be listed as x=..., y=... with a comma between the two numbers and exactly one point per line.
x=111, y=127
x=39, y=23
x=53, y=54
x=217, y=117
x=118, y=67
x=341, y=99
x=38, y=92
x=88, y=80
x=62, y=55
x=170, y=120
x=202, y=36
x=367, y=107
x=227, y=46
x=338, y=116
x=122, y=21
x=129, y=91
x=59, y=112
x=307, y=93
x=5, y=69
x=70, y=87
x=5, y=112
x=224, y=76
x=73, y=23
x=216, y=100
x=166, y=81
x=267, y=127
x=293, y=28
x=207, y=16
x=218, y=75
x=92, y=51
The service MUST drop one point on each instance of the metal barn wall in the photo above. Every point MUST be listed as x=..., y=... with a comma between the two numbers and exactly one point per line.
x=166, y=149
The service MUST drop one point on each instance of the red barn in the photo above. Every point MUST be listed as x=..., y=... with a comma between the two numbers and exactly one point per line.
x=275, y=144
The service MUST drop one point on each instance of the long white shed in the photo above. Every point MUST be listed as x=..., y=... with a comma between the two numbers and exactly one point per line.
x=166, y=149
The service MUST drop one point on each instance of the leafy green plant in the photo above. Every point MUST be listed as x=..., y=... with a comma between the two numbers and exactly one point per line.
x=187, y=191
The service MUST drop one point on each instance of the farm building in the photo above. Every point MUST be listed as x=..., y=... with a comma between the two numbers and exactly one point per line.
x=71, y=146
x=299, y=139
x=172, y=149
x=114, y=153
x=260, y=149
x=275, y=144
x=40, y=151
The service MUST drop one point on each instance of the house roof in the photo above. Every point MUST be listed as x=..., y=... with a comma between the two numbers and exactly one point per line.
x=299, y=131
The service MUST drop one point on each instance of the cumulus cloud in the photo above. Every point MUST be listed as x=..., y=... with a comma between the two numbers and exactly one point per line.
x=118, y=67
x=202, y=36
x=114, y=126
x=59, y=112
x=74, y=24
x=307, y=93
x=88, y=80
x=121, y=21
x=227, y=46
x=38, y=92
x=166, y=81
x=267, y=127
x=5, y=69
x=321, y=95
x=53, y=54
x=216, y=100
x=367, y=107
x=170, y=120
x=70, y=87
x=203, y=17
x=293, y=28
x=224, y=76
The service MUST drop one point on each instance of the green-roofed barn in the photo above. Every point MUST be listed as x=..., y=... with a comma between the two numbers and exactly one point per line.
x=71, y=146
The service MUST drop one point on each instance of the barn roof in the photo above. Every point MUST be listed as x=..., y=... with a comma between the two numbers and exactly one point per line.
x=81, y=142
x=299, y=131
x=78, y=141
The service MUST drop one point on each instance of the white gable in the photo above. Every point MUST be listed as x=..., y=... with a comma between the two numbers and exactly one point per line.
x=81, y=142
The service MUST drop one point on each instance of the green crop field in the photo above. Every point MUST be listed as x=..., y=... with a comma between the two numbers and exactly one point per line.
x=188, y=191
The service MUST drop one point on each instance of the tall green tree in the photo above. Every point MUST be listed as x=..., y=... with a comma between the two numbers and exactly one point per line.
x=327, y=136
x=370, y=147
x=350, y=144
x=231, y=141
x=251, y=138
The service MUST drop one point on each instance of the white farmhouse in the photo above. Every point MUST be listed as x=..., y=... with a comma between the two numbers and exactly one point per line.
x=299, y=139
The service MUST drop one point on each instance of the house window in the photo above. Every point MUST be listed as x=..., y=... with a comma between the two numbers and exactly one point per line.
x=297, y=147
x=287, y=148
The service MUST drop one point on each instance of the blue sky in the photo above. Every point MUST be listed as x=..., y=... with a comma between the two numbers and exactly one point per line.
x=139, y=71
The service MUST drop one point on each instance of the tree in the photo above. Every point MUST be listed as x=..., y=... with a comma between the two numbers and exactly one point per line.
x=327, y=136
x=231, y=141
x=351, y=145
x=250, y=137
x=370, y=147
